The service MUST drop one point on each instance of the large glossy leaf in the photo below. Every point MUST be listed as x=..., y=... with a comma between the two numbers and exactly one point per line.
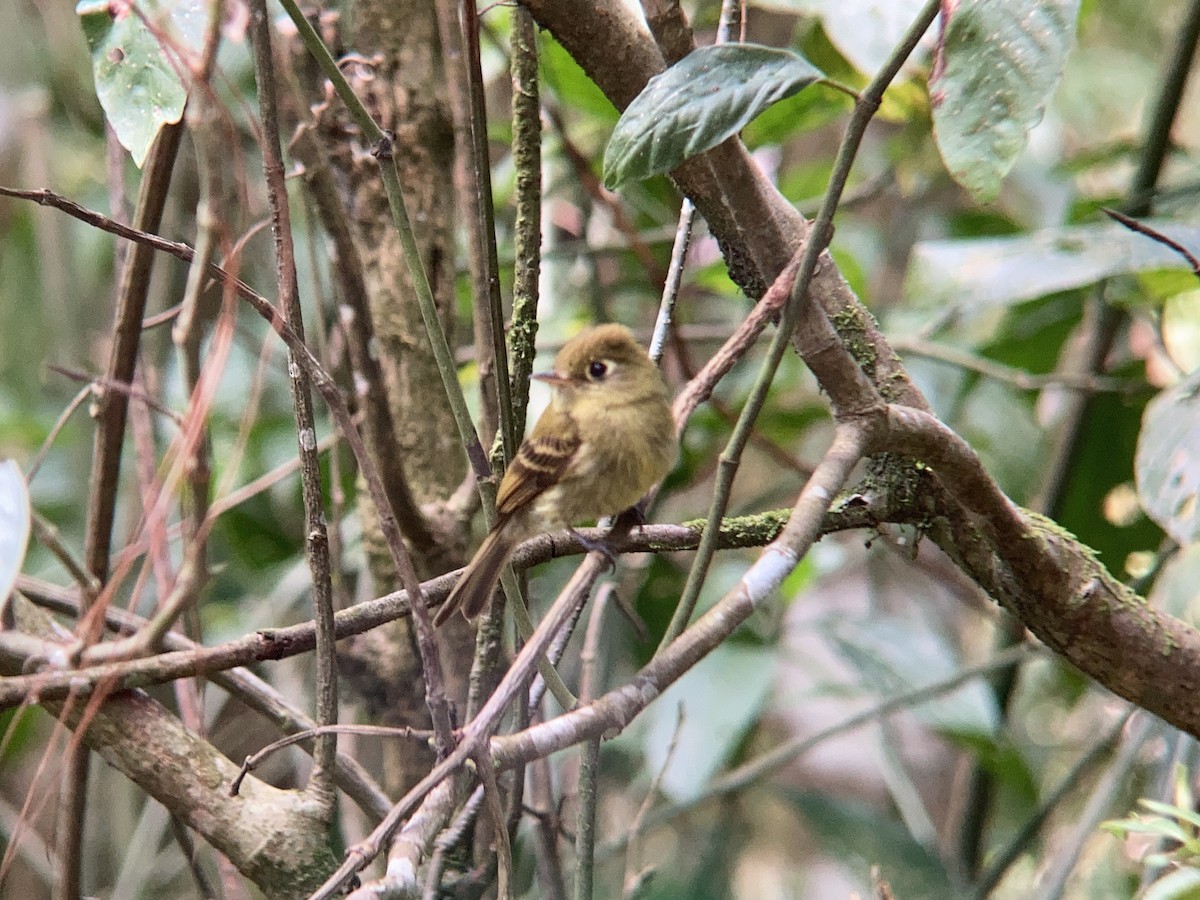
x=14, y=524
x=1167, y=465
x=999, y=63
x=710, y=94
x=981, y=273
x=136, y=82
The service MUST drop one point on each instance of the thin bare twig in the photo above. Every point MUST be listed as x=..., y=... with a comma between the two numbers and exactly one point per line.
x=634, y=875
x=1155, y=235
x=40, y=457
x=1051, y=801
x=448, y=840
x=302, y=356
x=127, y=332
x=254, y=760
x=281, y=643
x=238, y=682
x=47, y=534
x=1026, y=381
x=316, y=535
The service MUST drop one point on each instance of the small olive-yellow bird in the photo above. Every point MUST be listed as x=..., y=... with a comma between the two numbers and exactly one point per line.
x=606, y=438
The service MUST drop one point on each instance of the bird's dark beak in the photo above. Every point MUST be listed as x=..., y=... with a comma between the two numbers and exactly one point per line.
x=551, y=378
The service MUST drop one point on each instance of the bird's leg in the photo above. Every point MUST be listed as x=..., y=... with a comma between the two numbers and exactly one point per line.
x=621, y=525
x=637, y=513
x=596, y=547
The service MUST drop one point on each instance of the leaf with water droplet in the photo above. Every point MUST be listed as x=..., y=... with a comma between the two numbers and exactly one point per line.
x=131, y=63
x=999, y=63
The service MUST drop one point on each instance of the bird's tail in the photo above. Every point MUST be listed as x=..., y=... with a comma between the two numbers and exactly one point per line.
x=475, y=586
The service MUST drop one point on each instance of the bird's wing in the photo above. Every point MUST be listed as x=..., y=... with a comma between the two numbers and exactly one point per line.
x=540, y=463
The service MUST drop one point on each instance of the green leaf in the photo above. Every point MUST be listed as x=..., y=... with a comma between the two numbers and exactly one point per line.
x=1165, y=467
x=710, y=94
x=135, y=80
x=14, y=524
x=1001, y=759
x=1168, y=809
x=1107, y=448
x=571, y=84
x=1163, y=828
x=1182, y=884
x=1000, y=61
x=979, y=274
x=1001, y=425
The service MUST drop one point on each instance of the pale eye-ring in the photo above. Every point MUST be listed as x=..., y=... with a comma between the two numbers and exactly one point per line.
x=597, y=369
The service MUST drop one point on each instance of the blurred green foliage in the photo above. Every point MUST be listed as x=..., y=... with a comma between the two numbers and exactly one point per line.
x=854, y=624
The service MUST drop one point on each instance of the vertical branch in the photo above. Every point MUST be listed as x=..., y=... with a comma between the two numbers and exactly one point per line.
x=486, y=217
x=112, y=408
x=127, y=331
x=586, y=820
x=527, y=160
x=472, y=171
x=68, y=838
x=316, y=538
x=467, y=194
x=670, y=294
x=214, y=209
x=337, y=494
x=550, y=880
x=589, y=763
x=486, y=767
x=527, y=236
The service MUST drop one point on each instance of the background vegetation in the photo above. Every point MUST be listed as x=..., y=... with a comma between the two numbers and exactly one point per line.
x=944, y=697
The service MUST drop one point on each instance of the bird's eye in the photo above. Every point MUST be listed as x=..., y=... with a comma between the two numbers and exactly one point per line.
x=597, y=369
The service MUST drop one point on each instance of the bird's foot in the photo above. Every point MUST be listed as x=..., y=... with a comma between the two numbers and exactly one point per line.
x=596, y=547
